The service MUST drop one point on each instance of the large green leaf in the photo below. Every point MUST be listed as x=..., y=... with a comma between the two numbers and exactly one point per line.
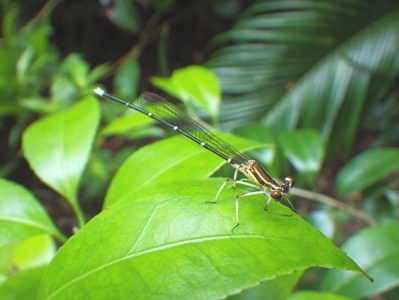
x=377, y=250
x=336, y=93
x=166, y=242
x=57, y=147
x=169, y=159
x=21, y=215
x=366, y=169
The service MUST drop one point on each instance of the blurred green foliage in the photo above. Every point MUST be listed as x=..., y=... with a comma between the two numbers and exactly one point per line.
x=312, y=84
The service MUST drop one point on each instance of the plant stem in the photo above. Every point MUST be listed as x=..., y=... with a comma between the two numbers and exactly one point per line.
x=333, y=202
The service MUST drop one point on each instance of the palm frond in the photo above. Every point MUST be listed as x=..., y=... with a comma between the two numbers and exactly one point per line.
x=308, y=64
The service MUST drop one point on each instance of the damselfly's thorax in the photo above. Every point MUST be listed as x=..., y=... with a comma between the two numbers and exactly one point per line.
x=254, y=171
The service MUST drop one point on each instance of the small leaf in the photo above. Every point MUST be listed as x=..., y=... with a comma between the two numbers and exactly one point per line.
x=126, y=123
x=33, y=252
x=77, y=68
x=97, y=72
x=57, y=147
x=63, y=91
x=125, y=15
x=79, y=72
x=193, y=84
x=23, y=285
x=376, y=249
x=21, y=215
x=22, y=265
x=167, y=243
x=126, y=80
x=169, y=159
x=366, y=169
x=36, y=104
x=23, y=65
x=9, y=23
x=305, y=150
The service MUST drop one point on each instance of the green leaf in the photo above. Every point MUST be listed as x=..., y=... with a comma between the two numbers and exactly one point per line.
x=79, y=72
x=57, y=147
x=193, y=84
x=22, y=265
x=166, y=242
x=308, y=64
x=366, y=169
x=312, y=295
x=169, y=159
x=63, y=91
x=39, y=37
x=23, y=285
x=32, y=252
x=305, y=150
x=23, y=64
x=376, y=249
x=37, y=104
x=127, y=79
x=126, y=123
x=9, y=23
x=21, y=215
x=276, y=289
x=125, y=15
x=97, y=72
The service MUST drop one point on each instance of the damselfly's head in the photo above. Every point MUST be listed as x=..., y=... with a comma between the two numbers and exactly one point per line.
x=283, y=189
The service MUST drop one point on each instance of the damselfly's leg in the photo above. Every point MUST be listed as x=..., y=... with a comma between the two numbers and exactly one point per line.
x=220, y=189
x=235, y=181
x=278, y=214
x=244, y=195
x=266, y=207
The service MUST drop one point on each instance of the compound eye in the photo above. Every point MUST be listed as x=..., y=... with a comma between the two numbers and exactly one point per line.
x=276, y=195
x=291, y=180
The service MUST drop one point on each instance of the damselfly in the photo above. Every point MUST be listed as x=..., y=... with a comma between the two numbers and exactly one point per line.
x=170, y=117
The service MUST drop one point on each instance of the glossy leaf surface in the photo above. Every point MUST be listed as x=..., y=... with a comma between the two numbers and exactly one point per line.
x=308, y=64
x=57, y=147
x=166, y=242
x=366, y=169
